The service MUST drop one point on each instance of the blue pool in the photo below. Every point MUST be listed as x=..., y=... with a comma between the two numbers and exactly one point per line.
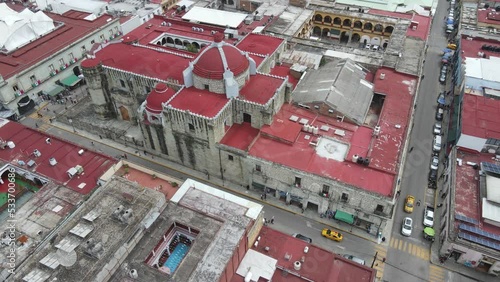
x=175, y=258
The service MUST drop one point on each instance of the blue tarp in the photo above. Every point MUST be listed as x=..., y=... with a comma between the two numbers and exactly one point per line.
x=449, y=21
x=441, y=100
x=447, y=50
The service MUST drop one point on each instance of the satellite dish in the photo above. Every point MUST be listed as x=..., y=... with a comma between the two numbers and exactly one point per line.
x=65, y=258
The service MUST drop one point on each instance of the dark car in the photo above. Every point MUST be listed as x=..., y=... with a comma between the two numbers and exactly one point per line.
x=303, y=238
x=433, y=175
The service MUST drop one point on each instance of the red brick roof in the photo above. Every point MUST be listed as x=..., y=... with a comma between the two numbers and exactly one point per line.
x=481, y=116
x=159, y=95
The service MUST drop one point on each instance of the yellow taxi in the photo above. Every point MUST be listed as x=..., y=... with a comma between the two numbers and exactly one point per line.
x=409, y=203
x=332, y=235
x=452, y=46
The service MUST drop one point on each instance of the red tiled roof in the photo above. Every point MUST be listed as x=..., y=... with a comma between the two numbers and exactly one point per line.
x=481, y=116
x=65, y=153
x=320, y=265
x=467, y=199
x=284, y=71
x=240, y=136
x=260, y=88
x=470, y=48
x=201, y=102
x=259, y=44
x=489, y=16
x=283, y=141
x=209, y=63
x=257, y=59
x=422, y=29
x=159, y=95
x=389, y=14
x=141, y=60
x=74, y=29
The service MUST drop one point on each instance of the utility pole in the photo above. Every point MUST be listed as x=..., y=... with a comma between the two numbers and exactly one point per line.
x=374, y=258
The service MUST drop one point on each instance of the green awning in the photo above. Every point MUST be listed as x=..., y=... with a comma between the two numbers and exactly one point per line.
x=429, y=231
x=56, y=90
x=71, y=80
x=345, y=217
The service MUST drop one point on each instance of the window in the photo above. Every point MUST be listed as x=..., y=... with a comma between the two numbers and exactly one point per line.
x=122, y=83
x=326, y=189
x=206, y=86
x=101, y=37
x=15, y=88
x=51, y=68
x=110, y=32
x=71, y=57
x=230, y=157
x=61, y=62
x=379, y=209
x=116, y=29
x=191, y=126
x=345, y=197
x=33, y=79
x=258, y=168
x=84, y=49
x=298, y=181
x=148, y=89
x=92, y=41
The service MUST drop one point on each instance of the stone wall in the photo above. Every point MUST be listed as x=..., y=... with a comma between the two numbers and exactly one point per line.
x=218, y=85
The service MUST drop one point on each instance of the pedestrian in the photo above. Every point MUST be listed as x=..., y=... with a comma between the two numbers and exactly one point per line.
x=272, y=219
x=36, y=125
x=411, y=149
x=418, y=203
x=398, y=193
x=125, y=156
x=383, y=239
x=100, y=137
x=145, y=153
x=262, y=196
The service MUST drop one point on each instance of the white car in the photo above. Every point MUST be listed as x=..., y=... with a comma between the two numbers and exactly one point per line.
x=368, y=46
x=429, y=217
x=375, y=47
x=437, y=128
x=434, y=162
x=407, y=226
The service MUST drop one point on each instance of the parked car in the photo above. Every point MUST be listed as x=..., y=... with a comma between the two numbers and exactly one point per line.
x=303, y=238
x=439, y=114
x=442, y=78
x=437, y=128
x=375, y=47
x=409, y=203
x=332, y=235
x=435, y=162
x=444, y=69
x=433, y=175
x=452, y=46
x=429, y=216
x=407, y=226
x=368, y=46
x=355, y=259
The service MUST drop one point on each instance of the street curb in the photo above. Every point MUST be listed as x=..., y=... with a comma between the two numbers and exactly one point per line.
x=256, y=199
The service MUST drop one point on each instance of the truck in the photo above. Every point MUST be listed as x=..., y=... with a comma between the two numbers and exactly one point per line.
x=429, y=216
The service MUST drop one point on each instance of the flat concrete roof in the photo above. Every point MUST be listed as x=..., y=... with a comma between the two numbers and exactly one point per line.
x=68, y=257
x=214, y=17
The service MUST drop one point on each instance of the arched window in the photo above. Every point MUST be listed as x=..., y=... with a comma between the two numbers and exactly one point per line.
x=170, y=40
x=378, y=28
x=368, y=26
x=318, y=18
x=178, y=41
x=389, y=29
x=358, y=24
x=347, y=22
x=317, y=31
x=337, y=21
x=328, y=19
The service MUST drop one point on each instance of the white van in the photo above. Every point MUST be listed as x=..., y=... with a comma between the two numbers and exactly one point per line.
x=436, y=147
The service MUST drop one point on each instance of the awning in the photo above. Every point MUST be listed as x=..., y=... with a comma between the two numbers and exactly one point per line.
x=56, y=90
x=345, y=217
x=71, y=80
x=429, y=231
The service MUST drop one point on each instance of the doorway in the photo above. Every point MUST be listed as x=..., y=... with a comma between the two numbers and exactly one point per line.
x=312, y=206
x=247, y=118
x=76, y=71
x=124, y=113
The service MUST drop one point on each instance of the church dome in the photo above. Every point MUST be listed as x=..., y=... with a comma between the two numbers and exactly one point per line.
x=159, y=95
x=213, y=61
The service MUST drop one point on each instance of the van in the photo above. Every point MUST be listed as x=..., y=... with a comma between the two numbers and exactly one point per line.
x=436, y=147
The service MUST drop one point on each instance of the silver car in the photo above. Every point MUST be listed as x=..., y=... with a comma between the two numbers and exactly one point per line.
x=434, y=162
x=437, y=128
x=407, y=226
x=355, y=259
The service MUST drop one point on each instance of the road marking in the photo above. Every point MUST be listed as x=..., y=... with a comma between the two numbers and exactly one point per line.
x=340, y=247
x=436, y=273
x=309, y=225
x=393, y=243
x=405, y=244
x=400, y=244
